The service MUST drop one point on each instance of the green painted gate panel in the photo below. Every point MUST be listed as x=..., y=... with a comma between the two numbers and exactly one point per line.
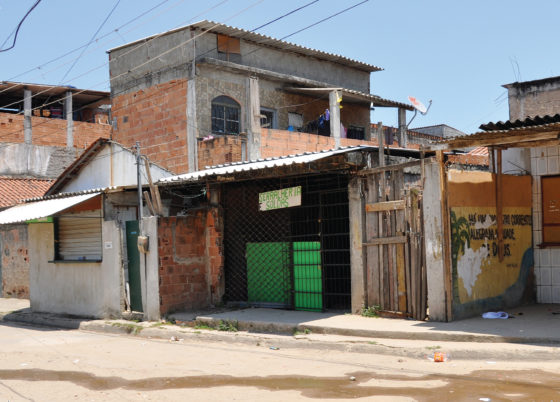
x=308, y=278
x=133, y=255
x=268, y=273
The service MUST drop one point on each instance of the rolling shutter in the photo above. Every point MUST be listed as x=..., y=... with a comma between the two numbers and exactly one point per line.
x=79, y=238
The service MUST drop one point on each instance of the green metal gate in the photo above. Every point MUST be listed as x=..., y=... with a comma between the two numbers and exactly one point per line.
x=133, y=255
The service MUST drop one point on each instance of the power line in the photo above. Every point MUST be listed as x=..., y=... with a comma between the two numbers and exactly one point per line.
x=19, y=26
x=91, y=40
x=285, y=15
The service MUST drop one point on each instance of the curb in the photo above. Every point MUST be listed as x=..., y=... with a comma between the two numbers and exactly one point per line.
x=283, y=328
x=266, y=335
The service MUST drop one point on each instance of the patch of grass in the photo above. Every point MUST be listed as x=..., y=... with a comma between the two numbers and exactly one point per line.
x=229, y=326
x=130, y=328
x=197, y=332
x=372, y=311
x=202, y=325
x=372, y=343
x=433, y=347
x=306, y=331
x=161, y=324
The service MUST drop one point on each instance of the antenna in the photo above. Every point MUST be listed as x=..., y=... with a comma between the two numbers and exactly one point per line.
x=418, y=107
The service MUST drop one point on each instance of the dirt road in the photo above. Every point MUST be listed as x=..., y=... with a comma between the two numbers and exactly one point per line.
x=52, y=365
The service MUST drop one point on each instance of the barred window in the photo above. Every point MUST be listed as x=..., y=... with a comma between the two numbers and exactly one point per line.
x=225, y=115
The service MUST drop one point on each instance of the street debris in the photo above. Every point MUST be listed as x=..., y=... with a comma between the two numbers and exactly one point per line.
x=352, y=378
x=274, y=348
x=495, y=314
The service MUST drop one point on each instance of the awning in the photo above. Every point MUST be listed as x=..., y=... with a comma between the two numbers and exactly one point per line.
x=41, y=209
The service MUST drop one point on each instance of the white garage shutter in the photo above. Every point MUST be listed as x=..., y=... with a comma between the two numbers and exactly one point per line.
x=79, y=238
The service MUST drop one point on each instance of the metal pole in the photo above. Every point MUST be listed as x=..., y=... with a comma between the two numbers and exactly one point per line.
x=139, y=181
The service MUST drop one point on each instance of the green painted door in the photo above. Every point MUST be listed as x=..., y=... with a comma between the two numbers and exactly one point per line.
x=308, y=278
x=268, y=273
x=133, y=255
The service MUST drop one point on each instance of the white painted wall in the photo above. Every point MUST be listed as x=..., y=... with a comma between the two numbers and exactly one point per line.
x=113, y=165
x=149, y=271
x=516, y=161
x=544, y=162
x=433, y=238
x=78, y=288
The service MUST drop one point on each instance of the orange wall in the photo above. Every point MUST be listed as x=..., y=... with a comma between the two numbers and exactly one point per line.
x=156, y=117
x=47, y=131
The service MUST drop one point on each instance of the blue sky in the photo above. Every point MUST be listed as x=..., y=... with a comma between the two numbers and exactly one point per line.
x=458, y=54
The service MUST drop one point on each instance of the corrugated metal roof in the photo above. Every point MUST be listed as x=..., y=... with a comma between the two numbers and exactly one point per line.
x=528, y=122
x=216, y=27
x=41, y=209
x=231, y=168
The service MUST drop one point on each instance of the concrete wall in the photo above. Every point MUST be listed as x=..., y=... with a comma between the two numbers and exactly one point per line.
x=128, y=76
x=534, y=98
x=544, y=162
x=14, y=261
x=433, y=238
x=35, y=160
x=481, y=282
x=190, y=261
x=112, y=166
x=78, y=288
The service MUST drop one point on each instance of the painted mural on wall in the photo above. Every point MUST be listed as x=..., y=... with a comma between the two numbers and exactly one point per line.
x=478, y=270
x=480, y=280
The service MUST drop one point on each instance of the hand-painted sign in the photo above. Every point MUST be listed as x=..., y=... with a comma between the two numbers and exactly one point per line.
x=276, y=199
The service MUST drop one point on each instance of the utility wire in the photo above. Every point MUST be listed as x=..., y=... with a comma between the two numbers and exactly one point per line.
x=19, y=26
x=195, y=37
x=91, y=40
x=285, y=15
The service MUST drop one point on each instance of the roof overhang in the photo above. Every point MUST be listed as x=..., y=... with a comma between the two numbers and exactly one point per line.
x=41, y=209
x=291, y=163
x=350, y=95
x=79, y=95
x=520, y=137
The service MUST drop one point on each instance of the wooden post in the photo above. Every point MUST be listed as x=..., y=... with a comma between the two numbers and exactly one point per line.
x=446, y=240
x=357, y=266
x=403, y=134
x=499, y=206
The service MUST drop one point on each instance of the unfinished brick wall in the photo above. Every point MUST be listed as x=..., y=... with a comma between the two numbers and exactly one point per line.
x=535, y=100
x=218, y=151
x=47, y=131
x=155, y=116
x=15, y=261
x=190, y=261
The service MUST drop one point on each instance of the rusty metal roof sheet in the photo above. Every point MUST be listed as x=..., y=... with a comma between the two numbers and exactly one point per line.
x=237, y=167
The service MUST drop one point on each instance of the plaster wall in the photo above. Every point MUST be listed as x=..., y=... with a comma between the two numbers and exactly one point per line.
x=544, y=162
x=433, y=238
x=112, y=166
x=78, y=288
x=14, y=261
x=130, y=72
x=35, y=160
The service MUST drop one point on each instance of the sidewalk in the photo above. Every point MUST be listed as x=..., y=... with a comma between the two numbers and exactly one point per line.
x=534, y=333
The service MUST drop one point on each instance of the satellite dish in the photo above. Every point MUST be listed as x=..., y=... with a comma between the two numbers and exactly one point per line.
x=418, y=105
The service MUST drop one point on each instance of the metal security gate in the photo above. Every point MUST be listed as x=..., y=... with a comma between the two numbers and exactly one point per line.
x=293, y=256
x=393, y=246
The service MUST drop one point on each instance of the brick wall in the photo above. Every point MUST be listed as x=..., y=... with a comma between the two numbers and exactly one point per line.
x=218, y=151
x=155, y=116
x=533, y=101
x=15, y=261
x=190, y=261
x=47, y=131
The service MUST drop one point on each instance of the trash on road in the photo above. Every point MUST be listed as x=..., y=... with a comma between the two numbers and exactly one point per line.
x=274, y=348
x=440, y=357
x=495, y=314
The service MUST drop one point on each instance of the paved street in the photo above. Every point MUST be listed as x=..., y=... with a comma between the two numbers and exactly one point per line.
x=45, y=365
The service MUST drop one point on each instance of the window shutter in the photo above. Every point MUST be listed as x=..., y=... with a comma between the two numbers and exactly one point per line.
x=79, y=238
